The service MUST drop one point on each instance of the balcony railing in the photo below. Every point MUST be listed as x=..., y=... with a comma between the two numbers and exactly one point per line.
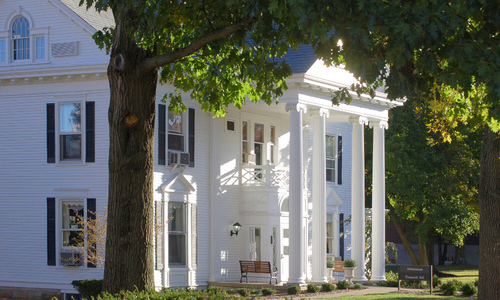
x=264, y=175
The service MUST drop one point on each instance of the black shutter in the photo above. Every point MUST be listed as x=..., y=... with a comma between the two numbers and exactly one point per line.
x=339, y=160
x=51, y=133
x=341, y=234
x=51, y=231
x=90, y=131
x=91, y=209
x=191, y=137
x=161, y=133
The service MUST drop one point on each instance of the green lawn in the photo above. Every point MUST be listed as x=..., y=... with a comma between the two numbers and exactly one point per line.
x=401, y=297
x=459, y=272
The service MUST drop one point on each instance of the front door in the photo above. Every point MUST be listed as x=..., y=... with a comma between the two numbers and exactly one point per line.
x=285, y=244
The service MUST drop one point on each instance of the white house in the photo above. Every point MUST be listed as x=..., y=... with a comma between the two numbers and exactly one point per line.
x=288, y=173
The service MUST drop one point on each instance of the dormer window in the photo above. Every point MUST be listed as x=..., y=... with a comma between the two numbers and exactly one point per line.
x=21, y=39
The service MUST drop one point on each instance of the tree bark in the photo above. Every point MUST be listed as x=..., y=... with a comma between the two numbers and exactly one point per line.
x=422, y=252
x=489, y=211
x=404, y=239
x=430, y=248
x=129, y=246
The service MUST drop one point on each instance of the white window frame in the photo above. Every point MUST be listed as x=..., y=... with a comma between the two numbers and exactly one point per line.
x=34, y=32
x=60, y=230
x=266, y=144
x=185, y=233
x=184, y=133
x=74, y=99
x=334, y=158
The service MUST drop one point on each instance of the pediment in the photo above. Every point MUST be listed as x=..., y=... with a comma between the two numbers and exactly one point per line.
x=177, y=184
x=333, y=197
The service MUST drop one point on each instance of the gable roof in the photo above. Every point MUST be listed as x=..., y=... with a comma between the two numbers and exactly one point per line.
x=98, y=20
x=300, y=60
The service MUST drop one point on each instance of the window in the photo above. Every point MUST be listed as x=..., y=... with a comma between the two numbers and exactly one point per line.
x=70, y=131
x=176, y=133
x=329, y=234
x=177, y=234
x=258, y=142
x=331, y=155
x=20, y=39
x=2, y=50
x=40, y=47
x=71, y=229
x=74, y=134
x=272, y=144
x=244, y=137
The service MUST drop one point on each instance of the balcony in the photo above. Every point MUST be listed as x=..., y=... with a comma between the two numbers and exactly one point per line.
x=264, y=175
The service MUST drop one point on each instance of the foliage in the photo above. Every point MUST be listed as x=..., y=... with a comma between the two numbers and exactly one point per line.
x=450, y=287
x=390, y=248
x=90, y=288
x=215, y=290
x=243, y=292
x=327, y=287
x=329, y=264
x=169, y=294
x=313, y=288
x=350, y=263
x=358, y=286
x=468, y=289
x=343, y=285
x=268, y=291
x=294, y=290
x=92, y=239
x=436, y=281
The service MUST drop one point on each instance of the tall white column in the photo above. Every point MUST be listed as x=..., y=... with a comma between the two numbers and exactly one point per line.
x=297, y=205
x=378, y=201
x=319, y=199
x=358, y=197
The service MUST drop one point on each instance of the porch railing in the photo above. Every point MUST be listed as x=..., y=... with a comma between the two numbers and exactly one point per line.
x=264, y=175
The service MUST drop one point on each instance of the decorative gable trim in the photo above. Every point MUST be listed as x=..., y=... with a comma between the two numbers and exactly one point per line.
x=64, y=49
x=333, y=197
x=177, y=184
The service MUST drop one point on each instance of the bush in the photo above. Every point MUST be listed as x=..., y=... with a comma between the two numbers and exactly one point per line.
x=88, y=288
x=329, y=264
x=358, y=286
x=468, y=289
x=350, y=263
x=436, y=281
x=169, y=294
x=312, y=288
x=294, y=290
x=382, y=283
x=254, y=292
x=243, y=292
x=327, y=287
x=450, y=287
x=343, y=285
x=268, y=291
x=215, y=290
x=476, y=283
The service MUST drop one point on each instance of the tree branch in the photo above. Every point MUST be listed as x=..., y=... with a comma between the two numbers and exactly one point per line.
x=168, y=58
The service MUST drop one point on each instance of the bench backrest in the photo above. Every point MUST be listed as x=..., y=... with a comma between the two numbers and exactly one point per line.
x=251, y=266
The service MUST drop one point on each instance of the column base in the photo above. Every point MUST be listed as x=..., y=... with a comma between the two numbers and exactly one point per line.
x=359, y=279
x=319, y=280
x=296, y=281
x=377, y=278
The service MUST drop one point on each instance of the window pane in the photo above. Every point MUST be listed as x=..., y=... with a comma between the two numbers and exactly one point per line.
x=330, y=163
x=329, y=246
x=2, y=50
x=258, y=154
x=329, y=225
x=245, y=152
x=273, y=132
x=244, y=131
x=40, y=47
x=72, y=238
x=175, y=142
x=20, y=38
x=176, y=249
x=259, y=133
x=70, y=117
x=174, y=123
x=176, y=217
x=330, y=175
x=71, y=146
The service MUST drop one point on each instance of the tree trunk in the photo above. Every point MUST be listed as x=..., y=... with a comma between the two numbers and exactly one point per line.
x=489, y=211
x=422, y=252
x=404, y=239
x=129, y=245
x=440, y=251
x=460, y=258
x=430, y=248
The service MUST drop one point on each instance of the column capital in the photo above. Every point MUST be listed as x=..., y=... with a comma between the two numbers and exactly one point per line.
x=322, y=112
x=299, y=107
x=359, y=120
x=379, y=124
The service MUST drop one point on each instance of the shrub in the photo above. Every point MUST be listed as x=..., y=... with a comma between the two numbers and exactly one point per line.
x=476, y=283
x=350, y=263
x=327, y=287
x=215, y=290
x=468, y=289
x=358, y=286
x=343, y=285
x=391, y=276
x=312, y=288
x=436, y=281
x=450, y=287
x=268, y=291
x=243, y=292
x=329, y=264
x=254, y=291
x=88, y=288
x=382, y=283
x=294, y=290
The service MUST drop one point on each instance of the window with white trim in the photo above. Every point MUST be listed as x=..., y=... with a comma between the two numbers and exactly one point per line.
x=331, y=158
x=70, y=131
x=72, y=231
x=177, y=232
x=2, y=50
x=259, y=142
x=175, y=131
x=329, y=234
x=20, y=39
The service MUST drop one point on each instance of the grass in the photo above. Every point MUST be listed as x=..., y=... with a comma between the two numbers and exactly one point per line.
x=399, y=297
x=459, y=272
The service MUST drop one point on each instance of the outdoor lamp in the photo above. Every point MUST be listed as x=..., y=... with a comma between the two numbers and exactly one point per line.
x=236, y=227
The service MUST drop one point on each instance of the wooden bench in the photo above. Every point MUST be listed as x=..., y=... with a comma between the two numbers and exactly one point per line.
x=338, y=267
x=259, y=267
